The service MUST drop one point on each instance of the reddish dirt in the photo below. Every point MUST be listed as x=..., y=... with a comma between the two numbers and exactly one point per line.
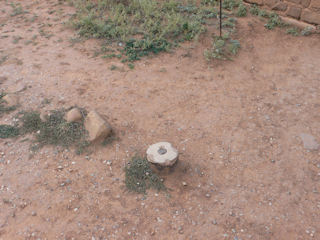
x=236, y=124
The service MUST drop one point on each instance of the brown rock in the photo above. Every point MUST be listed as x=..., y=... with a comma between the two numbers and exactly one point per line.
x=310, y=17
x=315, y=4
x=258, y=2
x=281, y=6
x=43, y=116
x=294, y=12
x=298, y=23
x=305, y=3
x=96, y=126
x=270, y=3
x=11, y=99
x=294, y=1
x=73, y=115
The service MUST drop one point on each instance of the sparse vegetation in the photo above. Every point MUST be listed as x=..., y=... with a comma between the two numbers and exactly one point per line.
x=7, y=131
x=16, y=9
x=254, y=10
x=293, y=31
x=222, y=48
x=230, y=4
x=139, y=176
x=3, y=107
x=141, y=27
x=3, y=59
x=31, y=121
x=242, y=11
x=274, y=21
x=54, y=131
x=306, y=31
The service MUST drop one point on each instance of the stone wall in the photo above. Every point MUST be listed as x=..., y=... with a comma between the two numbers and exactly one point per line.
x=304, y=10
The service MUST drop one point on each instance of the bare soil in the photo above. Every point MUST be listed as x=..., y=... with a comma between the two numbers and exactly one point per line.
x=236, y=124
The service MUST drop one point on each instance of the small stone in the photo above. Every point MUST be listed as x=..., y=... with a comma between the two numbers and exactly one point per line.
x=34, y=213
x=309, y=141
x=208, y=195
x=11, y=99
x=184, y=184
x=73, y=115
x=96, y=126
x=258, y=2
x=180, y=230
x=43, y=116
x=163, y=154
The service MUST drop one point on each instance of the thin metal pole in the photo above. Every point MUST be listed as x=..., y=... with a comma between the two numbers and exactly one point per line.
x=220, y=18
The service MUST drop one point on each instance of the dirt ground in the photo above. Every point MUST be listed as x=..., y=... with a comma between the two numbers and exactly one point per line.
x=237, y=125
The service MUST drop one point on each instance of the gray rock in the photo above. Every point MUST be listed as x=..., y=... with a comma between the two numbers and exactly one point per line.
x=163, y=154
x=309, y=141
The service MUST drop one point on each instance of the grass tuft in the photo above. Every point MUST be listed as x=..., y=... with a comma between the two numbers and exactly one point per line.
x=54, y=131
x=31, y=121
x=222, y=48
x=274, y=21
x=57, y=131
x=3, y=108
x=7, y=131
x=139, y=176
x=293, y=31
x=241, y=11
x=230, y=4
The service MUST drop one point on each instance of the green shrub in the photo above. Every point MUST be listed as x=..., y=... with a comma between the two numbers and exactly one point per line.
x=139, y=176
x=7, y=131
x=242, y=11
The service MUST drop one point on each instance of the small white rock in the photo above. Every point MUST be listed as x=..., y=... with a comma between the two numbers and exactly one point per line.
x=163, y=154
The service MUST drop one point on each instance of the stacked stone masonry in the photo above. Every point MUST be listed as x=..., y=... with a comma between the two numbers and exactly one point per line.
x=303, y=10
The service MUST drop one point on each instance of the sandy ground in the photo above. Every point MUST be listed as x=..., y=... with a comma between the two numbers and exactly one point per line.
x=237, y=125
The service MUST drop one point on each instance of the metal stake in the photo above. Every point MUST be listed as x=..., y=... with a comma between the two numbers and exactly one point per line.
x=220, y=18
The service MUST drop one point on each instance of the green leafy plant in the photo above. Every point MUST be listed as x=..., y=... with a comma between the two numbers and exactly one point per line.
x=222, y=48
x=241, y=11
x=16, y=9
x=274, y=21
x=230, y=4
x=254, y=10
x=293, y=31
x=139, y=176
x=55, y=130
x=306, y=31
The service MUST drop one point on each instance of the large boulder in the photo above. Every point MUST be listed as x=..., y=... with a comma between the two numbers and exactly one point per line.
x=96, y=126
